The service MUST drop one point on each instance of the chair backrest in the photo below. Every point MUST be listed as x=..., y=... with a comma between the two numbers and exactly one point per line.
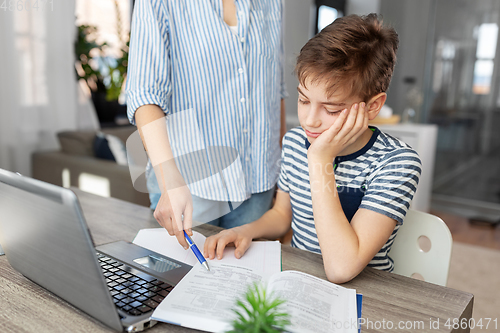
x=409, y=257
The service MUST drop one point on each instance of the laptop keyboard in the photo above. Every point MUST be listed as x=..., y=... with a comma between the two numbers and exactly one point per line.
x=133, y=291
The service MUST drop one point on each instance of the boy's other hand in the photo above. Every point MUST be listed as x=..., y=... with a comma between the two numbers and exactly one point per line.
x=346, y=129
x=215, y=245
x=174, y=212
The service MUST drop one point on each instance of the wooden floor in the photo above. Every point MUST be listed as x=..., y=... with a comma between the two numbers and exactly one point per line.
x=471, y=232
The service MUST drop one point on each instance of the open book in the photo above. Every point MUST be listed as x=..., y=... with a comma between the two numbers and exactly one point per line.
x=204, y=300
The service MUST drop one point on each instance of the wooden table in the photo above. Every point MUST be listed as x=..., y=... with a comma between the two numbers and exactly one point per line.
x=390, y=302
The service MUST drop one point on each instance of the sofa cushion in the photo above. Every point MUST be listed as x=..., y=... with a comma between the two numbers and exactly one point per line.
x=122, y=132
x=77, y=142
x=114, y=145
x=101, y=147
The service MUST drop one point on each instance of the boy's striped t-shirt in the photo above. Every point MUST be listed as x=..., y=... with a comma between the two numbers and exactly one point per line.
x=382, y=177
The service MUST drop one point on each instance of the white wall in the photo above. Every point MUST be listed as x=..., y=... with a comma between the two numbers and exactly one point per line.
x=362, y=7
x=412, y=20
x=299, y=27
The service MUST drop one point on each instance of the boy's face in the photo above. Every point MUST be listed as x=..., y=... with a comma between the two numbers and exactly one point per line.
x=316, y=111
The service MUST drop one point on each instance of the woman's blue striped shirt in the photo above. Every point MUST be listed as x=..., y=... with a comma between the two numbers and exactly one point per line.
x=185, y=58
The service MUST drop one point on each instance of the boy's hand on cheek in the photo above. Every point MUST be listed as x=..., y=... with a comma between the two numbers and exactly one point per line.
x=346, y=129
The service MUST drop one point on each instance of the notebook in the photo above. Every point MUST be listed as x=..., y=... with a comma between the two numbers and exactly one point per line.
x=45, y=237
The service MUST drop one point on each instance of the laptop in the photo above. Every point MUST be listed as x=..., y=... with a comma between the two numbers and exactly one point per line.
x=45, y=237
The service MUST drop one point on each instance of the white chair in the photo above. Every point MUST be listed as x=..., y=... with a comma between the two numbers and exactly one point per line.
x=411, y=258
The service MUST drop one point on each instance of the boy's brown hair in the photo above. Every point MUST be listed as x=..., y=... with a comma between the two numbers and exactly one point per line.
x=355, y=53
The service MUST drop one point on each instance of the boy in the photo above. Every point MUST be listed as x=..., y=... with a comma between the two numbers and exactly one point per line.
x=344, y=187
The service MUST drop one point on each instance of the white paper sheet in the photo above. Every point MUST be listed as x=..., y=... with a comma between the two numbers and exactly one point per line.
x=264, y=256
x=158, y=240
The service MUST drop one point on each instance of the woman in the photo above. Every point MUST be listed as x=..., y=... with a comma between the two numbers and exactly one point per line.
x=214, y=70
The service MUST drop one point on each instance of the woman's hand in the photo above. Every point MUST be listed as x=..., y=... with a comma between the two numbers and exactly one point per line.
x=174, y=212
x=346, y=129
x=215, y=245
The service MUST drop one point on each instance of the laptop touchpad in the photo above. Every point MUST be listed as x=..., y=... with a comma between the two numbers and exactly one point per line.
x=160, y=265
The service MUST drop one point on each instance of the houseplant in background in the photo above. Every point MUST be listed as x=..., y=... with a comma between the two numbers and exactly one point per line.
x=259, y=312
x=103, y=74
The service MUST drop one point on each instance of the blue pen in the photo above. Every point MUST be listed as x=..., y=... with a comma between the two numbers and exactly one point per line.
x=196, y=252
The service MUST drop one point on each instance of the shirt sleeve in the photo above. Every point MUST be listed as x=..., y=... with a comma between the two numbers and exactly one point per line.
x=393, y=185
x=148, y=76
x=283, y=179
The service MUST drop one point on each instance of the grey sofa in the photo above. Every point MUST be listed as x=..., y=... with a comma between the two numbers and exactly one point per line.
x=76, y=156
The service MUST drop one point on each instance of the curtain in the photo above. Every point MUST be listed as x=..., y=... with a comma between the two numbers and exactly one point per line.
x=39, y=94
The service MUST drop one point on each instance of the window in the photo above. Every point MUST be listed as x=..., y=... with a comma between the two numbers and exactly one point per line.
x=326, y=15
x=487, y=34
x=327, y=11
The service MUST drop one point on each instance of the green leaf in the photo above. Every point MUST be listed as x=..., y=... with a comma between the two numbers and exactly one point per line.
x=262, y=313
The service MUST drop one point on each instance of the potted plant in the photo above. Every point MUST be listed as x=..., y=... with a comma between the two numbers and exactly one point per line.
x=104, y=75
x=259, y=312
